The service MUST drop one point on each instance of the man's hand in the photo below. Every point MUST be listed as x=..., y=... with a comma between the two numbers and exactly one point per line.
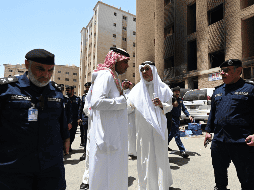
x=250, y=140
x=79, y=121
x=208, y=136
x=67, y=145
x=69, y=126
x=157, y=102
x=191, y=119
x=121, y=93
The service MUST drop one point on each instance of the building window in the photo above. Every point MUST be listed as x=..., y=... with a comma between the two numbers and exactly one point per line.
x=124, y=18
x=134, y=44
x=134, y=33
x=21, y=71
x=74, y=80
x=114, y=45
x=59, y=71
x=134, y=19
x=10, y=70
x=114, y=35
x=133, y=74
x=114, y=24
x=216, y=58
x=133, y=64
x=124, y=28
x=215, y=14
x=66, y=79
x=95, y=22
x=93, y=67
x=58, y=78
x=85, y=76
x=115, y=13
x=133, y=54
x=191, y=19
x=75, y=73
x=66, y=73
x=246, y=3
x=124, y=39
x=169, y=30
x=247, y=38
x=94, y=34
x=192, y=55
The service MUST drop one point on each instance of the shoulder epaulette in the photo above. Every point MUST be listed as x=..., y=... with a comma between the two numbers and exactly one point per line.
x=55, y=85
x=219, y=85
x=7, y=80
x=249, y=81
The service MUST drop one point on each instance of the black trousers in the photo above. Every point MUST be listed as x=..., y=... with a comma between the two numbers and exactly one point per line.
x=83, y=129
x=241, y=155
x=73, y=131
x=51, y=179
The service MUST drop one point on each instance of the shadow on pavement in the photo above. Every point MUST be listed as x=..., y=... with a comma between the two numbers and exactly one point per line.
x=130, y=180
x=178, y=161
x=72, y=162
x=188, y=152
x=172, y=188
x=75, y=151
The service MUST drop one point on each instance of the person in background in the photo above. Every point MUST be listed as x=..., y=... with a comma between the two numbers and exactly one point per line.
x=33, y=127
x=231, y=120
x=178, y=106
x=83, y=121
x=75, y=102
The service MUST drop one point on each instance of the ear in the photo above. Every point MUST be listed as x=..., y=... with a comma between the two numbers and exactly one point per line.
x=27, y=64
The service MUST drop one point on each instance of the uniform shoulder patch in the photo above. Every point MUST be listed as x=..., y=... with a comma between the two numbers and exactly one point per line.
x=7, y=80
x=55, y=85
x=249, y=81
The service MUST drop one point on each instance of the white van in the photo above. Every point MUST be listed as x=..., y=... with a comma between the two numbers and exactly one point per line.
x=198, y=103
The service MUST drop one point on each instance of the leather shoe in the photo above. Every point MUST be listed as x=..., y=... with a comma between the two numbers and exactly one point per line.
x=83, y=157
x=169, y=149
x=184, y=154
x=84, y=186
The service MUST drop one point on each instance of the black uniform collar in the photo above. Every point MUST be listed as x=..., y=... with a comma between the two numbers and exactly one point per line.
x=240, y=82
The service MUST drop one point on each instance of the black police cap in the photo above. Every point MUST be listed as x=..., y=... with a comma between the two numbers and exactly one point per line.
x=70, y=87
x=119, y=50
x=41, y=56
x=176, y=89
x=148, y=62
x=231, y=62
x=88, y=84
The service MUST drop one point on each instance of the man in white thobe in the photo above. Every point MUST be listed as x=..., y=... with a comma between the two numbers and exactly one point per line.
x=132, y=152
x=108, y=156
x=151, y=99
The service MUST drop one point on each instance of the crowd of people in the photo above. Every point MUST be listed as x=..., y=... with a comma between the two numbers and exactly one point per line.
x=117, y=122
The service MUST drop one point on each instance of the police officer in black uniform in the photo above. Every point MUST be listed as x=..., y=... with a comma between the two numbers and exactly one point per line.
x=33, y=128
x=75, y=102
x=83, y=121
x=176, y=113
x=231, y=120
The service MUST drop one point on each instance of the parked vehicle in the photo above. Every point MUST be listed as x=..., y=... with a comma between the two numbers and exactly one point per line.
x=198, y=103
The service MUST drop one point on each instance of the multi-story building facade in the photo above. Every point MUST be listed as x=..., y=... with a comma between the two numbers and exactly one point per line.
x=109, y=27
x=14, y=70
x=191, y=38
x=67, y=75
x=63, y=74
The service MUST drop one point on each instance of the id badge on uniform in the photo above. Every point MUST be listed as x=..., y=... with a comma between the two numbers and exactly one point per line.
x=32, y=114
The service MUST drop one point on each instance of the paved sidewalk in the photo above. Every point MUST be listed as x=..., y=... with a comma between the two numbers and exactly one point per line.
x=194, y=173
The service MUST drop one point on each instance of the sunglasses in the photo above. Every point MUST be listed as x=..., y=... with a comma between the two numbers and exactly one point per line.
x=144, y=68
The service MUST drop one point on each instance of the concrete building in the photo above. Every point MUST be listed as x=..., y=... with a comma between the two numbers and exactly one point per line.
x=14, y=70
x=109, y=27
x=189, y=39
x=67, y=75
x=63, y=74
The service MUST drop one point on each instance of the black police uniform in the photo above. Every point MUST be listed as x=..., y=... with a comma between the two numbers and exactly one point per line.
x=231, y=120
x=68, y=108
x=176, y=113
x=84, y=122
x=75, y=102
x=31, y=155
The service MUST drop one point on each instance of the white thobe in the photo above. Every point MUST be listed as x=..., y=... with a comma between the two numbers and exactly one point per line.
x=108, y=162
x=131, y=130
x=86, y=173
x=152, y=152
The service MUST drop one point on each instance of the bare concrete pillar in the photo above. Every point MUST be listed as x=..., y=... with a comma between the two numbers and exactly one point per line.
x=233, y=30
x=145, y=49
x=159, y=37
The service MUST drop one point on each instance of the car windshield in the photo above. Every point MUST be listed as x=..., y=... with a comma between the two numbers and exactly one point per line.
x=195, y=95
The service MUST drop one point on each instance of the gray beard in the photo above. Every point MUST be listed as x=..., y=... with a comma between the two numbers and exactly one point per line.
x=33, y=79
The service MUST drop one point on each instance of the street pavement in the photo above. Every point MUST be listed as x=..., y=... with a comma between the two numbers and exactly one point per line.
x=194, y=173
